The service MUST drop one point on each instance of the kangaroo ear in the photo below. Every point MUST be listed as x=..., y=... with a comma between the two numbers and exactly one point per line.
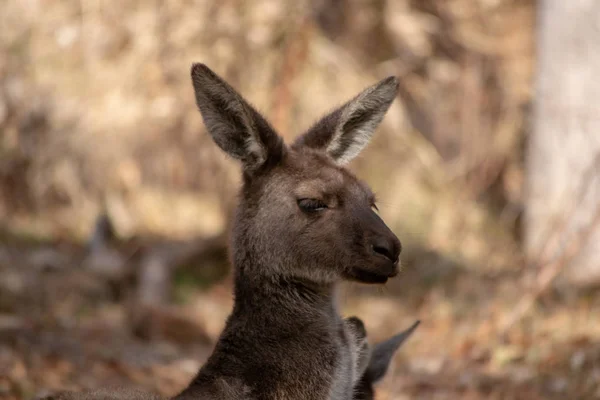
x=346, y=131
x=383, y=352
x=235, y=126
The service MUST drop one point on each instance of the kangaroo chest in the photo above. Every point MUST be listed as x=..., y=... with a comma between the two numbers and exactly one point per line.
x=344, y=378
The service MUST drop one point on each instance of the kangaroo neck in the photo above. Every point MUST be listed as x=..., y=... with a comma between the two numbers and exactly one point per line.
x=291, y=292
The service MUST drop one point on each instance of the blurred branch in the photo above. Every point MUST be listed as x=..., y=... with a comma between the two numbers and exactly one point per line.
x=294, y=58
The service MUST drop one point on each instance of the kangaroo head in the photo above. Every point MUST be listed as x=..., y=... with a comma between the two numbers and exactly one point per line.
x=302, y=215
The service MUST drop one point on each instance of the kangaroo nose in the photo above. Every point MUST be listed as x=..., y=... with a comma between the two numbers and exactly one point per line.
x=386, y=247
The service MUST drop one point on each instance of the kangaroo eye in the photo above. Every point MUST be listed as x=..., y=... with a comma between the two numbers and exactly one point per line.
x=311, y=205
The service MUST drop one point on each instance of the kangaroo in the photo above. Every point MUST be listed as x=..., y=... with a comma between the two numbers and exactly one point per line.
x=303, y=224
x=378, y=363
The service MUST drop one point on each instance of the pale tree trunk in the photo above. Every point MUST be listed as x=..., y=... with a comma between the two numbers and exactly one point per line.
x=562, y=224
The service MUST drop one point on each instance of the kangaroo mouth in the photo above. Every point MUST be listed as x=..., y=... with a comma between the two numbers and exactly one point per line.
x=373, y=276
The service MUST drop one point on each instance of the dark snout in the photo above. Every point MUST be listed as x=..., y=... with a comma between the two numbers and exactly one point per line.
x=384, y=243
x=383, y=248
x=387, y=246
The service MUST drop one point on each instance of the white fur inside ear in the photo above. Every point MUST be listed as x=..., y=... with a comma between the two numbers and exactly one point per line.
x=255, y=152
x=355, y=141
x=231, y=121
x=359, y=120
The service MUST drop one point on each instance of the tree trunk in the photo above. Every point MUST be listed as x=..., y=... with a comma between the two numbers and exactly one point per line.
x=563, y=160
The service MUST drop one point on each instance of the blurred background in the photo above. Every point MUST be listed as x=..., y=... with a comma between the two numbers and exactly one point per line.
x=115, y=203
